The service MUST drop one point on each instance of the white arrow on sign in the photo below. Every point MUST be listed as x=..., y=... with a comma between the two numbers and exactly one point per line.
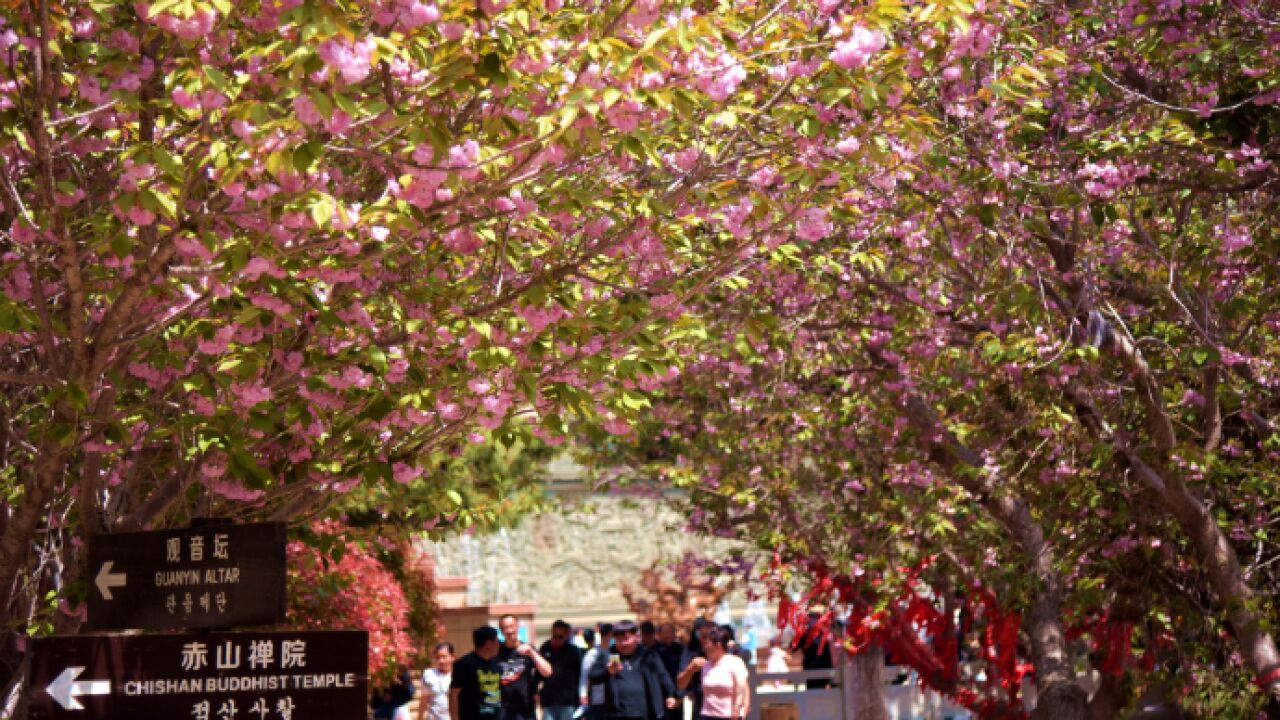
x=107, y=579
x=65, y=688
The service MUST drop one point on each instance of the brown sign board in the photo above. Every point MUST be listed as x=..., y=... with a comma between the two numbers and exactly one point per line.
x=213, y=576
x=301, y=675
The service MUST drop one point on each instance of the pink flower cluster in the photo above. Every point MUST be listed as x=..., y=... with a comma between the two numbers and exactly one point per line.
x=414, y=14
x=813, y=224
x=404, y=473
x=8, y=38
x=736, y=217
x=684, y=160
x=1103, y=179
x=352, y=61
x=195, y=27
x=719, y=78
x=1234, y=238
x=232, y=490
x=856, y=50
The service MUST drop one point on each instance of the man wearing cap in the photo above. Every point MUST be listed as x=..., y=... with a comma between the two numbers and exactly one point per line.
x=636, y=685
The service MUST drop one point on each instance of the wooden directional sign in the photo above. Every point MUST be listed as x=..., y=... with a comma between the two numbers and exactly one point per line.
x=216, y=576
x=201, y=676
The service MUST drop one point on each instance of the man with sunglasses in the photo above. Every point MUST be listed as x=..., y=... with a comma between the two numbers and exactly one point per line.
x=559, y=692
x=636, y=685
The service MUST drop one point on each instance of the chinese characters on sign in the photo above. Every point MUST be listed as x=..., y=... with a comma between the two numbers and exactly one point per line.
x=216, y=676
x=207, y=577
x=260, y=654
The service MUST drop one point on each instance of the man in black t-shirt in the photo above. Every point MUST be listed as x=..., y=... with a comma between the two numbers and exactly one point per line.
x=559, y=692
x=475, y=691
x=519, y=662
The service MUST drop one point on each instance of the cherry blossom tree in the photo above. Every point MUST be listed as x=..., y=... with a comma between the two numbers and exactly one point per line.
x=1029, y=328
x=257, y=255
x=988, y=280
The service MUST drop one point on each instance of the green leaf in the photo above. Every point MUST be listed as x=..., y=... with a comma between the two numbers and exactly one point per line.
x=491, y=69
x=216, y=78
x=160, y=200
x=377, y=471
x=245, y=467
x=655, y=37
x=378, y=409
x=121, y=245
x=322, y=211
x=345, y=104
x=306, y=155
x=322, y=103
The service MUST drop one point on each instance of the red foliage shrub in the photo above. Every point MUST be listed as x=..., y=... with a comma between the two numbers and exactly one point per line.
x=344, y=586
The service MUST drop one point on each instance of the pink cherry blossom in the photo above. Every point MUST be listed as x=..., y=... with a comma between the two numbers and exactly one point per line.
x=856, y=50
x=813, y=224
x=195, y=27
x=351, y=60
x=415, y=14
x=764, y=177
x=139, y=215
x=306, y=111
x=848, y=146
x=218, y=344
x=250, y=394
x=184, y=99
x=233, y=490
x=616, y=425
x=404, y=473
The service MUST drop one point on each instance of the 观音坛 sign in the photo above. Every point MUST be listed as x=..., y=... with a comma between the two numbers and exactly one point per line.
x=215, y=576
x=303, y=675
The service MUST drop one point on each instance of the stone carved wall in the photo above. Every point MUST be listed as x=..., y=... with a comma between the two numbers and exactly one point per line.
x=572, y=559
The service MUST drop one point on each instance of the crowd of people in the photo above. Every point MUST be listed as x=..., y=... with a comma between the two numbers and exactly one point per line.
x=621, y=671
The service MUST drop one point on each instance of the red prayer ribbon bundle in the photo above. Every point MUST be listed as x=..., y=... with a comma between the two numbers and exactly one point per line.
x=899, y=630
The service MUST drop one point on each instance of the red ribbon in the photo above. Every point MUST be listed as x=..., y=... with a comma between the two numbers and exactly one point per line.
x=899, y=628
x=1272, y=675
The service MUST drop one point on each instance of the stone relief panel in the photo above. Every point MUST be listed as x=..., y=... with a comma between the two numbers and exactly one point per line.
x=573, y=558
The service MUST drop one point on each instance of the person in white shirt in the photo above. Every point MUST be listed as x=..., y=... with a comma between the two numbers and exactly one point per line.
x=435, y=684
x=778, y=660
x=592, y=694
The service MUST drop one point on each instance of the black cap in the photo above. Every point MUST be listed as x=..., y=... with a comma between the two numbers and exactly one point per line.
x=624, y=626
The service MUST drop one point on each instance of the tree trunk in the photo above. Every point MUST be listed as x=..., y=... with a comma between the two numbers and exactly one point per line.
x=863, y=686
x=1108, y=700
x=1059, y=694
x=16, y=542
x=1213, y=549
x=15, y=702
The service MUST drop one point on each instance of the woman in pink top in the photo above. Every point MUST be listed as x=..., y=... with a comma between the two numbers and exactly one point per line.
x=726, y=694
